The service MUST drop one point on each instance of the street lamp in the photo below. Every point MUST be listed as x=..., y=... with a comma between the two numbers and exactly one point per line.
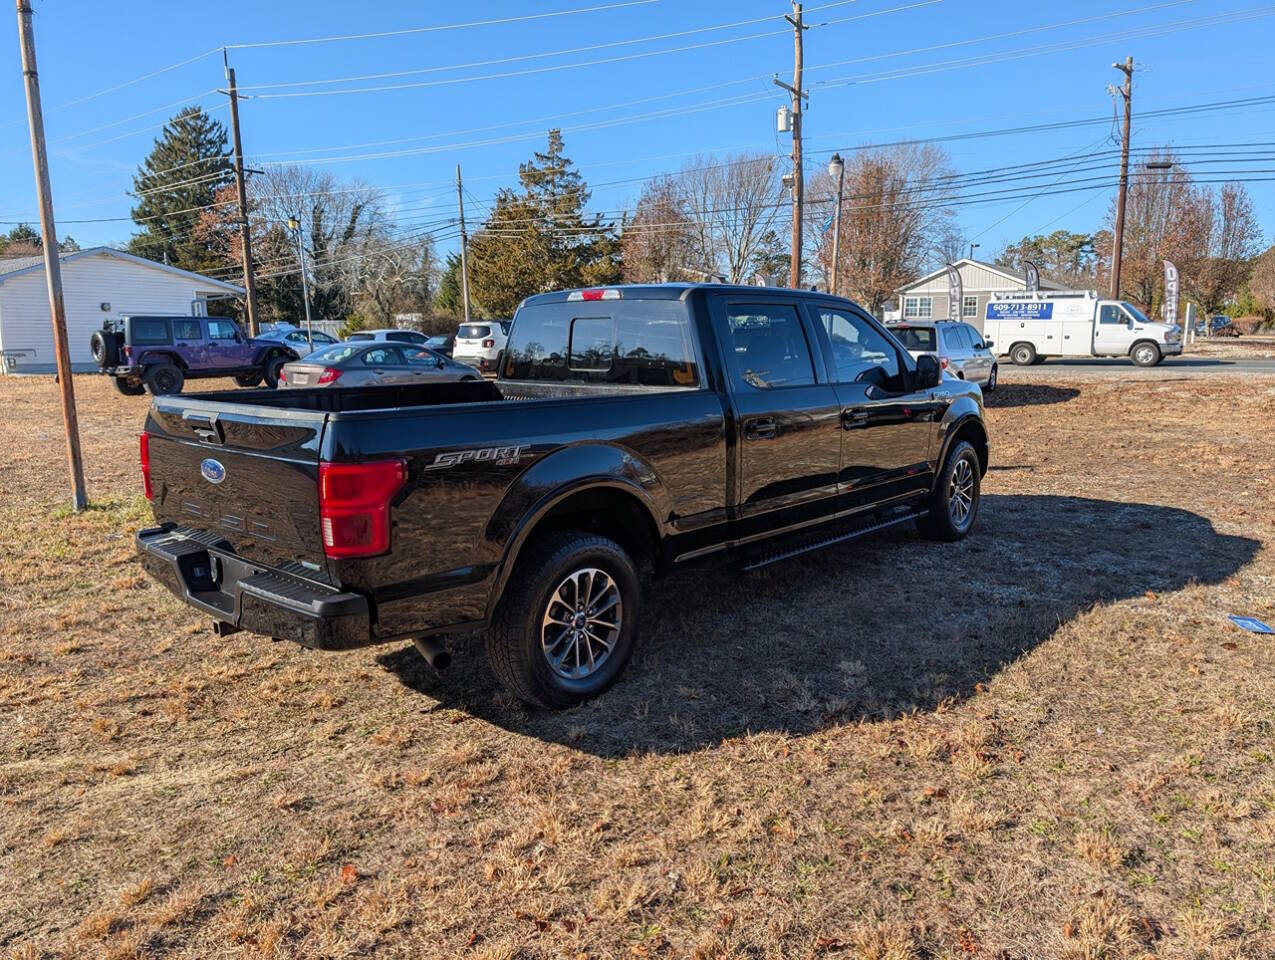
x=837, y=170
x=973, y=247
x=294, y=225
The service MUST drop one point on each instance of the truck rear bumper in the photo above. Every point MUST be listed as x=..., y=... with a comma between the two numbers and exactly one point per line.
x=252, y=597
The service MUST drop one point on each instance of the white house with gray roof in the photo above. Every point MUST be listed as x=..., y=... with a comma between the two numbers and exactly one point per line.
x=926, y=297
x=97, y=284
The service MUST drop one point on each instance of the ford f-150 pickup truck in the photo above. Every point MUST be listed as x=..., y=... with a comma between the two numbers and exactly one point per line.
x=632, y=430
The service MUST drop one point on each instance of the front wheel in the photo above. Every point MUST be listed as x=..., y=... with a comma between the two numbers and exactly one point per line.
x=273, y=366
x=1023, y=354
x=953, y=505
x=991, y=381
x=567, y=624
x=1145, y=354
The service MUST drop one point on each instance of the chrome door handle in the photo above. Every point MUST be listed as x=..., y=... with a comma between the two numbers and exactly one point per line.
x=854, y=418
x=763, y=428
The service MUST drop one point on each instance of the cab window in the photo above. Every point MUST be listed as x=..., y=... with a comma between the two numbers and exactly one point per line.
x=766, y=347
x=858, y=348
x=1110, y=313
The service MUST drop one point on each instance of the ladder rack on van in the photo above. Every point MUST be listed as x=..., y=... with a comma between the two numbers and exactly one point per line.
x=1038, y=295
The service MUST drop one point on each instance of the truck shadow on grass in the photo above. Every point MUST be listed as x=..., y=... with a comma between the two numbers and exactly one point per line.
x=1028, y=395
x=862, y=631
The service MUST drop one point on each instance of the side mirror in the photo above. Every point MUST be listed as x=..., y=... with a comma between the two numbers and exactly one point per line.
x=438, y=362
x=989, y=344
x=928, y=371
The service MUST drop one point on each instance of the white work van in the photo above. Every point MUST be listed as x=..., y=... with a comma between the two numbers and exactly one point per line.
x=1030, y=327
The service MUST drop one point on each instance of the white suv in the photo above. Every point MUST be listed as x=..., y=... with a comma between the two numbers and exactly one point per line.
x=479, y=344
x=960, y=349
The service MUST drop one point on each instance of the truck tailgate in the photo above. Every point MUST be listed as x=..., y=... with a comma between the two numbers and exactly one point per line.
x=248, y=474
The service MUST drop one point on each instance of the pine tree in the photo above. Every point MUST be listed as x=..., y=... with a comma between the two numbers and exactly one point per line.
x=539, y=238
x=448, y=298
x=187, y=166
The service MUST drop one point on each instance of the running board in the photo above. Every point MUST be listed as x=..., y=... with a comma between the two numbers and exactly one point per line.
x=759, y=560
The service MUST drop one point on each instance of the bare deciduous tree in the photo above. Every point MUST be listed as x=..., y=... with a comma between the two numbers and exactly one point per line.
x=894, y=211
x=656, y=242
x=735, y=205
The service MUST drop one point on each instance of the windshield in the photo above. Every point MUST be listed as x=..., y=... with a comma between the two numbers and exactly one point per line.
x=1136, y=313
x=915, y=338
x=337, y=353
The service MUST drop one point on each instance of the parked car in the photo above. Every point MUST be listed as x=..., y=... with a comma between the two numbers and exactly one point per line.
x=159, y=354
x=372, y=364
x=1223, y=326
x=443, y=344
x=632, y=428
x=959, y=348
x=398, y=336
x=296, y=339
x=1030, y=326
x=480, y=344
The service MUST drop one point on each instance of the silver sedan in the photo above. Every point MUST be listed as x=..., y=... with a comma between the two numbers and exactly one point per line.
x=368, y=364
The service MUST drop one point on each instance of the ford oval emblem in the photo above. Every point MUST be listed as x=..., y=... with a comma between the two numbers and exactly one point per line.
x=212, y=471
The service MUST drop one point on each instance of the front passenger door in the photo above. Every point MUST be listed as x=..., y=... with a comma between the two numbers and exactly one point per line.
x=887, y=429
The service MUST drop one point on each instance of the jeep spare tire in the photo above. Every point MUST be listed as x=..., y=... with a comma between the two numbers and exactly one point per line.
x=102, y=349
x=163, y=378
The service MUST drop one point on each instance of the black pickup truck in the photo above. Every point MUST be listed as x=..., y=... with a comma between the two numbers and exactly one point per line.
x=632, y=429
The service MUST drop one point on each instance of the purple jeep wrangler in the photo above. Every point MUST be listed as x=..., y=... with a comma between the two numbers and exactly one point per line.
x=159, y=354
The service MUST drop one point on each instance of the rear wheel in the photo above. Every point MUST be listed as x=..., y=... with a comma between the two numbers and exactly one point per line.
x=1145, y=354
x=567, y=624
x=273, y=366
x=954, y=503
x=1023, y=354
x=163, y=378
x=130, y=388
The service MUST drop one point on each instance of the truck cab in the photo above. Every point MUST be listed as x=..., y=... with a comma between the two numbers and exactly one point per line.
x=1029, y=327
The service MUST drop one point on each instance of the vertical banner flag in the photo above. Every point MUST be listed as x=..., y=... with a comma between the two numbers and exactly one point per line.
x=1171, y=288
x=955, y=293
x=1031, y=275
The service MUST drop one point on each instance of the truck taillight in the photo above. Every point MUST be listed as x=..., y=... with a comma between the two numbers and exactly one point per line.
x=146, y=465
x=488, y=343
x=329, y=374
x=354, y=505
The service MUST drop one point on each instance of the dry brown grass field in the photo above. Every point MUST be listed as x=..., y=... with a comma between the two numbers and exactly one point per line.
x=1046, y=741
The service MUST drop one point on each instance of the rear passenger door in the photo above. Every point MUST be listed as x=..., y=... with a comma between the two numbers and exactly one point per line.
x=787, y=426
x=887, y=428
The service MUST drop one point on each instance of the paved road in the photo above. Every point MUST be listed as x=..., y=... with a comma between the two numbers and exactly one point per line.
x=1123, y=368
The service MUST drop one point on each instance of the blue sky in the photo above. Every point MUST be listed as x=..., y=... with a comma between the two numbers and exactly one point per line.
x=714, y=98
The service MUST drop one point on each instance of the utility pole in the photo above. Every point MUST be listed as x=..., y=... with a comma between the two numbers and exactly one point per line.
x=464, y=242
x=245, y=236
x=1117, y=249
x=52, y=263
x=797, y=94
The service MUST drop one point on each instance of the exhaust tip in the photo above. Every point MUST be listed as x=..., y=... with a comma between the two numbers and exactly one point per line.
x=433, y=651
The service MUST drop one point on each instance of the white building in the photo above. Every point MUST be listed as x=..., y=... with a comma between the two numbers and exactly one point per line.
x=97, y=284
x=926, y=297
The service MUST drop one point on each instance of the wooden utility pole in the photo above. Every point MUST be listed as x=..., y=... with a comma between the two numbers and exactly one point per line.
x=52, y=263
x=245, y=233
x=797, y=94
x=464, y=266
x=1117, y=247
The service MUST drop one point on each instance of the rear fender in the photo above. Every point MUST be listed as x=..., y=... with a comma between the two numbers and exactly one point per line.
x=554, y=479
x=152, y=357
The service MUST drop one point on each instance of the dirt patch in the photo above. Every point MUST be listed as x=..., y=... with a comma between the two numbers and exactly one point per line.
x=1047, y=741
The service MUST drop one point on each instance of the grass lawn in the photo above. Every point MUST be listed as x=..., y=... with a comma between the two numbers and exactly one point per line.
x=1046, y=741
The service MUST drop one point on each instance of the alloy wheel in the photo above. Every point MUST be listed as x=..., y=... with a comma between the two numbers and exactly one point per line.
x=960, y=494
x=581, y=623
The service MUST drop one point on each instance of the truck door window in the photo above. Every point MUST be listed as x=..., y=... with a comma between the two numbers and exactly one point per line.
x=857, y=347
x=222, y=330
x=1110, y=313
x=766, y=347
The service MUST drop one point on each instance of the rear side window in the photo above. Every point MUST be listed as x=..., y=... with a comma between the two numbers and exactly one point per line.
x=360, y=336
x=187, y=330
x=915, y=338
x=149, y=330
x=473, y=331
x=640, y=342
x=406, y=336
x=382, y=357
x=767, y=347
x=222, y=330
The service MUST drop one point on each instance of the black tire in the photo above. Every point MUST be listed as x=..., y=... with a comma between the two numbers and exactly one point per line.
x=130, y=388
x=1145, y=354
x=248, y=379
x=162, y=379
x=273, y=366
x=102, y=348
x=941, y=523
x=516, y=642
x=1022, y=354
x=991, y=380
